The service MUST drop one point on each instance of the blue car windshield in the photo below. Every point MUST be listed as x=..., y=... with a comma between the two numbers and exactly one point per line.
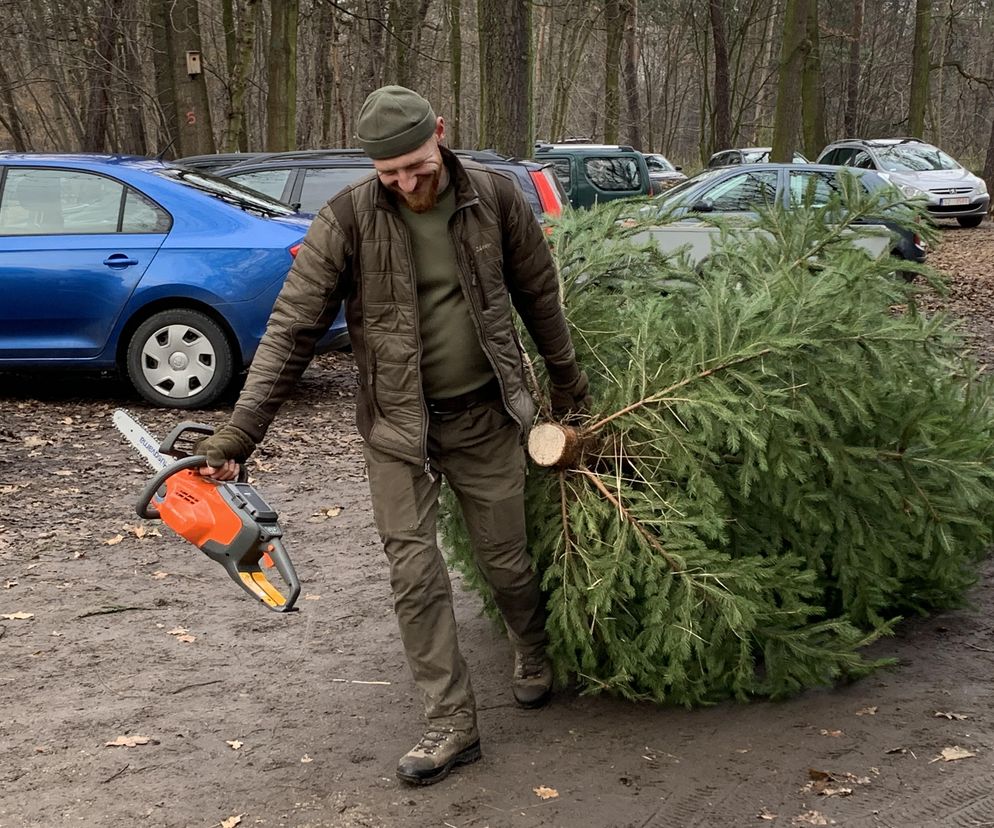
x=915, y=158
x=227, y=191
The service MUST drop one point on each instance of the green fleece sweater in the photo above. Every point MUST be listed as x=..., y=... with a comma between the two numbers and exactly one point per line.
x=452, y=360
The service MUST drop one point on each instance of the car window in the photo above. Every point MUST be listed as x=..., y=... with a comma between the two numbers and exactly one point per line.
x=813, y=189
x=743, y=192
x=226, y=190
x=756, y=156
x=270, y=182
x=40, y=201
x=915, y=158
x=561, y=167
x=142, y=215
x=322, y=184
x=657, y=163
x=614, y=174
x=863, y=160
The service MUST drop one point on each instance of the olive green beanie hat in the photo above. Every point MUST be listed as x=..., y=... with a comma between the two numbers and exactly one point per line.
x=393, y=121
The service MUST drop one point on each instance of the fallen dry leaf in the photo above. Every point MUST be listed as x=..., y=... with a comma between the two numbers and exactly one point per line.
x=812, y=818
x=234, y=744
x=66, y=421
x=9, y=584
x=114, y=540
x=18, y=616
x=312, y=597
x=131, y=741
x=77, y=555
x=232, y=821
x=178, y=631
x=65, y=473
x=159, y=575
x=867, y=711
x=766, y=814
x=35, y=442
x=543, y=792
x=305, y=759
x=958, y=717
x=951, y=754
x=833, y=733
x=186, y=639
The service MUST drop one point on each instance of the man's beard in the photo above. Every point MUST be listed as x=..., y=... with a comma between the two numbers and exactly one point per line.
x=425, y=193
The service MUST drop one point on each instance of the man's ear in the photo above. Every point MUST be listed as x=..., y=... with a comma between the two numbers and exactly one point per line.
x=440, y=129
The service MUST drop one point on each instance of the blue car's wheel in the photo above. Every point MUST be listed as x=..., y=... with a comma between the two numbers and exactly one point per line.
x=180, y=359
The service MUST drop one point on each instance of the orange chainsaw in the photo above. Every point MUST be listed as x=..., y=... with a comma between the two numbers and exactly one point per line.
x=227, y=521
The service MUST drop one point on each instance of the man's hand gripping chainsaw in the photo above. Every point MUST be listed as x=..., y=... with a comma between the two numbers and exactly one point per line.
x=228, y=522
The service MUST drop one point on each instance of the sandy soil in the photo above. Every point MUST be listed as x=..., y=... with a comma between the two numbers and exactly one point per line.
x=254, y=718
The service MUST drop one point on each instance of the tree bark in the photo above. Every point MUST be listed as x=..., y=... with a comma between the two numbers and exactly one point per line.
x=11, y=117
x=281, y=100
x=812, y=94
x=722, y=93
x=920, y=60
x=787, y=116
x=630, y=69
x=455, y=70
x=505, y=76
x=615, y=23
x=853, y=70
x=134, y=137
x=101, y=76
x=165, y=79
x=989, y=161
x=236, y=129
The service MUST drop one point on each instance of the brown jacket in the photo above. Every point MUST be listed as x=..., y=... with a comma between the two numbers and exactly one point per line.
x=357, y=250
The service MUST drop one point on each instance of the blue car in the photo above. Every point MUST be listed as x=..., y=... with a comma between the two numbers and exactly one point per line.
x=164, y=273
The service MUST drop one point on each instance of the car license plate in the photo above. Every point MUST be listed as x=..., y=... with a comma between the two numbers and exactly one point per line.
x=954, y=202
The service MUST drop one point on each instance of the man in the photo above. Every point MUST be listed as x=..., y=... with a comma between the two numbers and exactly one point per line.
x=428, y=256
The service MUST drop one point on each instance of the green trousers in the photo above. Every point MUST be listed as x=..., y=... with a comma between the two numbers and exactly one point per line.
x=478, y=452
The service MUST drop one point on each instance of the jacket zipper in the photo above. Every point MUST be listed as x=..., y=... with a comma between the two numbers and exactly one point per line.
x=417, y=334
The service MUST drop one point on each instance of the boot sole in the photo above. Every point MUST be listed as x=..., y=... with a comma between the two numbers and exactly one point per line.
x=466, y=757
x=533, y=704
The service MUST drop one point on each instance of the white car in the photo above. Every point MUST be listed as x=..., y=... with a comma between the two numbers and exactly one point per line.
x=918, y=170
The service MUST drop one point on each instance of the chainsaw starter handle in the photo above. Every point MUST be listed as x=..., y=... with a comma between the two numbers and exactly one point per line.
x=144, y=506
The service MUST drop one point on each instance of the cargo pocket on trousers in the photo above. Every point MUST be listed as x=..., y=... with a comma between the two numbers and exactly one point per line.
x=391, y=488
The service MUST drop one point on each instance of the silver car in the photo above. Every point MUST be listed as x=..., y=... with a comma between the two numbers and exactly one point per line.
x=918, y=170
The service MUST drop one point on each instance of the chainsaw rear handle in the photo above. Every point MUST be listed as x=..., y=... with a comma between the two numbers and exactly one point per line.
x=251, y=578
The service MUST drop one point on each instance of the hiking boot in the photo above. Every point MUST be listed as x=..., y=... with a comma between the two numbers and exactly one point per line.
x=439, y=750
x=532, y=679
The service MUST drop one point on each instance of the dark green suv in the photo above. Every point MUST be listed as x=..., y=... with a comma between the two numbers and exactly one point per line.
x=596, y=172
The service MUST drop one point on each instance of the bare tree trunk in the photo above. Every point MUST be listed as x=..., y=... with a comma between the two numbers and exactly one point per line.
x=11, y=117
x=630, y=69
x=787, y=117
x=134, y=138
x=235, y=129
x=165, y=79
x=812, y=96
x=615, y=23
x=194, y=135
x=989, y=161
x=101, y=75
x=505, y=76
x=920, y=60
x=281, y=101
x=722, y=94
x=853, y=71
x=455, y=70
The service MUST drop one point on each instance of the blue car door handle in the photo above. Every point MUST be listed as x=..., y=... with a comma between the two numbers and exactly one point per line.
x=120, y=260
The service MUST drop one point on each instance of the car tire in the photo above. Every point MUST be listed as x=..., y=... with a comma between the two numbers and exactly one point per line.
x=180, y=359
x=970, y=221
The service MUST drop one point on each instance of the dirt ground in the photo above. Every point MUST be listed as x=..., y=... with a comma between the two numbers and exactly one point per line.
x=253, y=718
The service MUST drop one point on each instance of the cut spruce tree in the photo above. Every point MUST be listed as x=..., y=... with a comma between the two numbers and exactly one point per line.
x=783, y=458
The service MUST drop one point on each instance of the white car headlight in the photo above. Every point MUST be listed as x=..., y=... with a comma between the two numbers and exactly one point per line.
x=981, y=186
x=910, y=191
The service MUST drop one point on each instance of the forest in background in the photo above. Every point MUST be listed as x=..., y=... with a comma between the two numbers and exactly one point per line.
x=682, y=77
